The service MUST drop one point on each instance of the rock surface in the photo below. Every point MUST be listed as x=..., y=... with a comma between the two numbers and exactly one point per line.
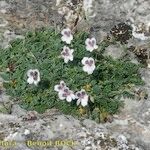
x=61, y=131
x=115, y=51
x=130, y=128
x=111, y=12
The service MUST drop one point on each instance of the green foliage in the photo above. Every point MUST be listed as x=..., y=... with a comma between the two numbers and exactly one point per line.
x=41, y=50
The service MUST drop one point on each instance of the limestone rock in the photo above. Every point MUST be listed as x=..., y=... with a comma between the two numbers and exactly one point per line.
x=18, y=111
x=114, y=51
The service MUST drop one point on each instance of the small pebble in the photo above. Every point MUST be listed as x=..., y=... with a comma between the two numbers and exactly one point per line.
x=26, y=132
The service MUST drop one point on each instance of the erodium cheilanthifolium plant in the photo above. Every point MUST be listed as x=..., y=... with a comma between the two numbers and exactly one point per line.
x=49, y=69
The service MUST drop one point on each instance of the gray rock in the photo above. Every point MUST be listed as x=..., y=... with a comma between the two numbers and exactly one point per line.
x=114, y=51
x=133, y=58
x=133, y=121
x=63, y=123
x=3, y=4
x=145, y=74
x=18, y=111
x=8, y=118
x=16, y=137
x=89, y=123
x=5, y=98
x=120, y=11
x=66, y=148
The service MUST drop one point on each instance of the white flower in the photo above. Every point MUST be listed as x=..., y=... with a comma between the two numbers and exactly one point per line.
x=33, y=76
x=66, y=94
x=66, y=54
x=66, y=35
x=60, y=87
x=89, y=65
x=91, y=44
x=82, y=98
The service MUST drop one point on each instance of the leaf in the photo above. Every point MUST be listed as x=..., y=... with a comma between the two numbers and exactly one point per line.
x=5, y=76
x=96, y=89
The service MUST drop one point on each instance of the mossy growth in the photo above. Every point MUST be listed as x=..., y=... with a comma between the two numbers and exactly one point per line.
x=41, y=50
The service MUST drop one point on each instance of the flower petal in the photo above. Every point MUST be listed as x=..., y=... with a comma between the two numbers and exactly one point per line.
x=35, y=82
x=87, y=41
x=84, y=101
x=85, y=68
x=71, y=51
x=56, y=88
x=96, y=47
x=73, y=96
x=68, y=40
x=30, y=80
x=66, y=59
x=36, y=70
x=89, y=48
x=60, y=95
x=65, y=30
x=93, y=39
x=69, y=99
x=62, y=83
x=83, y=60
x=63, y=38
x=71, y=58
x=28, y=72
x=77, y=94
x=89, y=69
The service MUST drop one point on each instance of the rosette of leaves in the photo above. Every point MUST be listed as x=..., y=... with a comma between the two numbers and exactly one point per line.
x=41, y=50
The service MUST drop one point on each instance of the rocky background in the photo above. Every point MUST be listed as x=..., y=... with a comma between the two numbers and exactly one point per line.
x=130, y=129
